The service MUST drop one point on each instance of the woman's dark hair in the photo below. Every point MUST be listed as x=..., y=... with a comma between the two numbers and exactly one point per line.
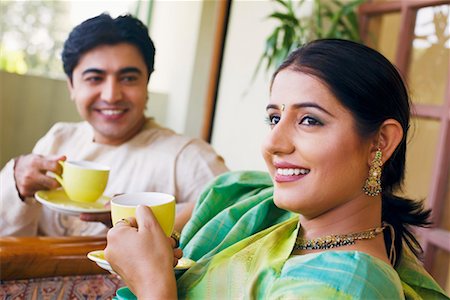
x=372, y=89
x=104, y=30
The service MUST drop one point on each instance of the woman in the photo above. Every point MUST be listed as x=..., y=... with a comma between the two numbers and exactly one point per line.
x=339, y=117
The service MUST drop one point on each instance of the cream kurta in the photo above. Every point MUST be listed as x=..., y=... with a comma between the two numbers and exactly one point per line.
x=156, y=160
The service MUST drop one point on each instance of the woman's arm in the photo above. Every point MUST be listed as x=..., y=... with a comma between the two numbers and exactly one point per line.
x=143, y=256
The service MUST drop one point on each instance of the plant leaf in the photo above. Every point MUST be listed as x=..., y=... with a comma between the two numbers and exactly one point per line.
x=284, y=18
x=329, y=19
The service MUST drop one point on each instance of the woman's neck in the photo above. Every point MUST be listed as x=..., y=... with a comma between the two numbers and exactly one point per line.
x=357, y=215
x=354, y=216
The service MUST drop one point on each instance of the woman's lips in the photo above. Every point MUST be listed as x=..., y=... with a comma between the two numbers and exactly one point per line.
x=286, y=172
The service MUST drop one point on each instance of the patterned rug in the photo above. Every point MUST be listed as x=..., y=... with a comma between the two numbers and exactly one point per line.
x=96, y=287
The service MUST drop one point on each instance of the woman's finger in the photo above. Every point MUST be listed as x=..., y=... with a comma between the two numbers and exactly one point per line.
x=178, y=253
x=128, y=222
x=122, y=222
x=175, y=262
x=145, y=219
x=132, y=221
x=172, y=242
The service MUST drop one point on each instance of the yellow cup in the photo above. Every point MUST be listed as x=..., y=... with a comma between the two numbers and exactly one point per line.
x=162, y=206
x=83, y=181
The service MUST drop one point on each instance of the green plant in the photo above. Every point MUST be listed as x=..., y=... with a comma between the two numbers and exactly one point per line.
x=329, y=19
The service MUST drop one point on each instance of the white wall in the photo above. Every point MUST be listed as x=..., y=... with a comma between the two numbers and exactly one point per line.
x=202, y=67
x=30, y=105
x=28, y=110
x=239, y=126
x=174, y=35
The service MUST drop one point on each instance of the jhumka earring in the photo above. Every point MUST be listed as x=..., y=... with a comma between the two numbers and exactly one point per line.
x=372, y=187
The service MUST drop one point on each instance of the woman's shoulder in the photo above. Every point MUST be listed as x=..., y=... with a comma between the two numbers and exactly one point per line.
x=345, y=273
x=417, y=282
x=233, y=207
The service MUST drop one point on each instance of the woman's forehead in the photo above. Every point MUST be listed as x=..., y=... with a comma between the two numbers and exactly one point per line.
x=294, y=88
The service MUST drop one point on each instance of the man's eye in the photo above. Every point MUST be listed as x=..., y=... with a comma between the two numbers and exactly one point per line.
x=93, y=79
x=129, y=78
x=310, y=121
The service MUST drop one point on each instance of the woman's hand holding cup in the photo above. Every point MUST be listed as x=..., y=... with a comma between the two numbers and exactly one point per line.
x=162, y=205
x=143, y=238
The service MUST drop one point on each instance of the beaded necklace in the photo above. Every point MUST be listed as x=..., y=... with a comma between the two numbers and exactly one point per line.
x=338, y=240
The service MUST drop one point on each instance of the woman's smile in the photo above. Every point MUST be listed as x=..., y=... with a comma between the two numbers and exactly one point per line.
x=287, y=172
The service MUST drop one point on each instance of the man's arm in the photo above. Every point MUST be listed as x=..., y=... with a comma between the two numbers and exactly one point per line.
x=17, y=217
x=197, y=164
x=183, y=216
x=19, y=180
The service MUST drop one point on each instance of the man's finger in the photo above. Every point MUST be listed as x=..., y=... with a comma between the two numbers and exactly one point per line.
x=51, y=164
x=47, y=182
x=42, y=182
x=105, y=218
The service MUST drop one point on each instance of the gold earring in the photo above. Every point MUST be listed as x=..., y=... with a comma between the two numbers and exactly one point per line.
x=372, y=186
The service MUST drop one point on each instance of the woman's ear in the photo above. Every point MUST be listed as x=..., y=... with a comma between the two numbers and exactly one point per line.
x=388, y=138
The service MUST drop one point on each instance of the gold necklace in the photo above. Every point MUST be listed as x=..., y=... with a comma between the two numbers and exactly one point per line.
x=338, y=240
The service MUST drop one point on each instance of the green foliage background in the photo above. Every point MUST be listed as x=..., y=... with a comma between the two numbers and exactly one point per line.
x=34, y=32
x=329, y=19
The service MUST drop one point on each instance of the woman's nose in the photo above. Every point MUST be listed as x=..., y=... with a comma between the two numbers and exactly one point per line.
x=111, y=91
x=279, y=140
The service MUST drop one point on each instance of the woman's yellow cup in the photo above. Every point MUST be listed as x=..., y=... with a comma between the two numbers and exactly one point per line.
x=83, y=181
x=162, y=206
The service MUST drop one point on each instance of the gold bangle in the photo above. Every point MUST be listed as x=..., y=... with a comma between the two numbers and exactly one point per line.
x=176, y=236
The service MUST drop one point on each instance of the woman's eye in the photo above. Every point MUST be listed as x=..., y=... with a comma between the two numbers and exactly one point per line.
x=310, y=121
x=273, y=120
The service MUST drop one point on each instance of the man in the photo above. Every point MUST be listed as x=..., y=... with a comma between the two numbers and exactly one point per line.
x=108, y=63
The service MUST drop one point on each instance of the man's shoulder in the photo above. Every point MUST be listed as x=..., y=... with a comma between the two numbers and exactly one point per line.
x=66, y=128
x=170, y=141
x=160, y=136
x=61, y=134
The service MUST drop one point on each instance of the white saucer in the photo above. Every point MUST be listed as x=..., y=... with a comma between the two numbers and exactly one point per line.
x=58, y=201
x=98, y=256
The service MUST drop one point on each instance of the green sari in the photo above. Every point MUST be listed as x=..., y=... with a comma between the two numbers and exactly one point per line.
x=242, y=244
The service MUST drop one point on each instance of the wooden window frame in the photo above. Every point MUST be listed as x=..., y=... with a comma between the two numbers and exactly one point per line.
x=432, y=238
x=224, y=8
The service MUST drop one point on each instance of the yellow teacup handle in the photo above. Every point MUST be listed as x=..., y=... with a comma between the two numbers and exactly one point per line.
x=57, y=177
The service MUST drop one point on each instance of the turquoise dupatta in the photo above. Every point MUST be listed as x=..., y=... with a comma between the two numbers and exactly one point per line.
x=242, y=243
